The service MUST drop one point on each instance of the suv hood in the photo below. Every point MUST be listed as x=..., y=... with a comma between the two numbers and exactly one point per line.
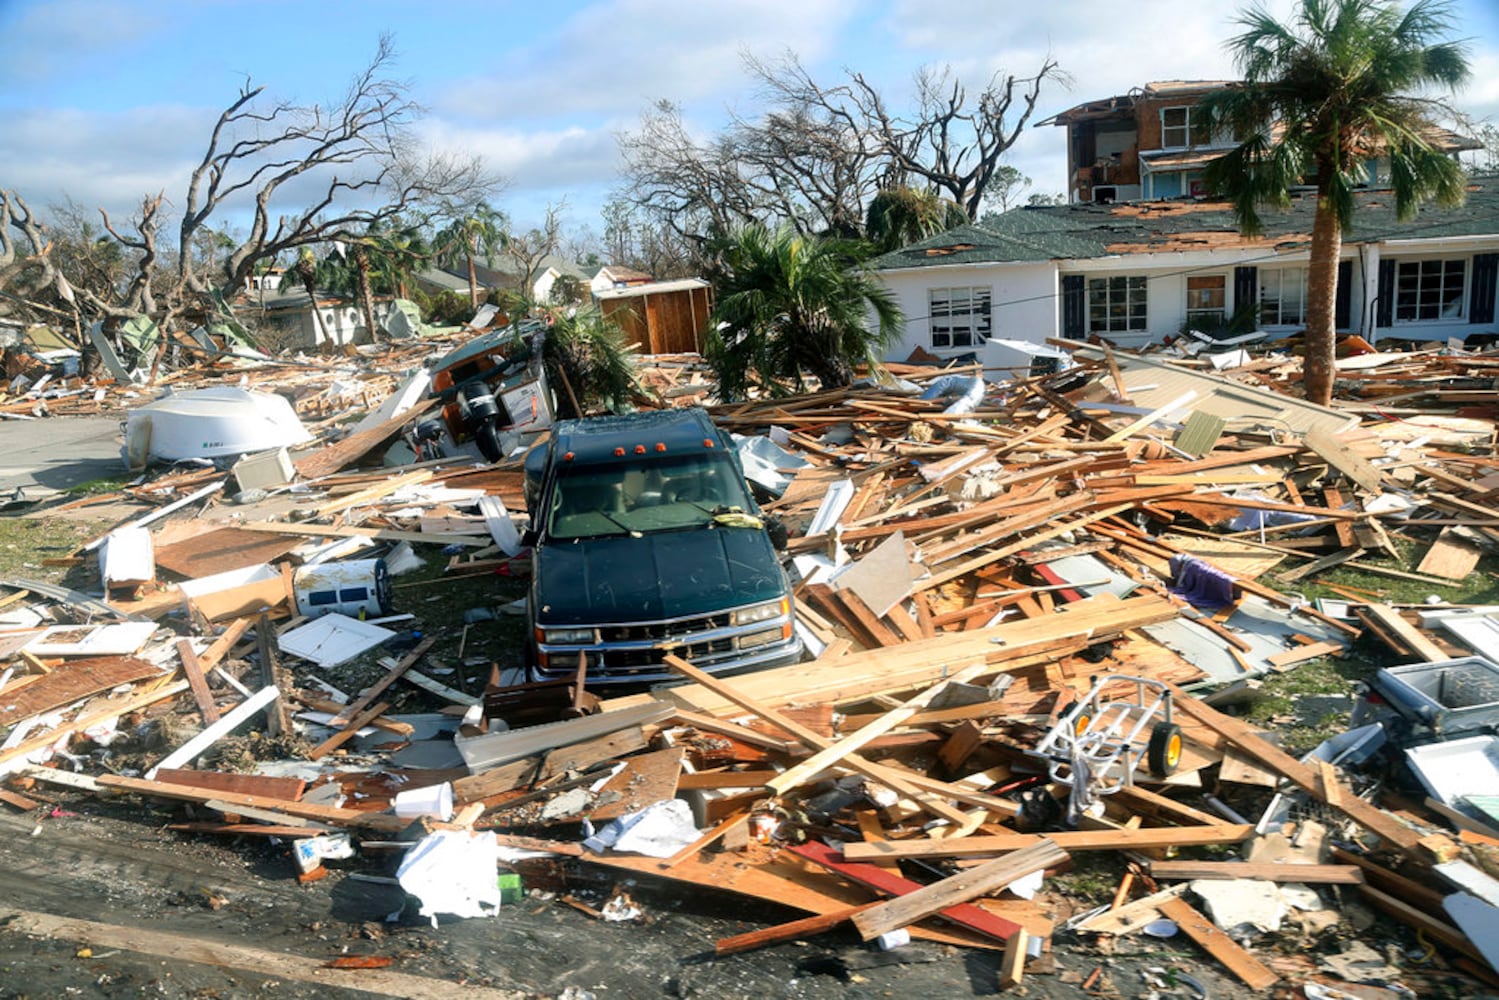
x=669, y=574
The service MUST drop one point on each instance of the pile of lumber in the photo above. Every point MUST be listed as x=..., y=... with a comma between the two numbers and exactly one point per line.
x=962, y=578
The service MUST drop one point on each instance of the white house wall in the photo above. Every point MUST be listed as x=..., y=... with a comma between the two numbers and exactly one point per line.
x=1022, y=304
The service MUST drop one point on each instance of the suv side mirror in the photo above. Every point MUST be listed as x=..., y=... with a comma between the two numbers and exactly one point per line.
x=776, y=529
x=529, y=538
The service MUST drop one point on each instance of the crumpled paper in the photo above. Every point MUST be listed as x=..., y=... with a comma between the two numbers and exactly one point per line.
x=657, y=831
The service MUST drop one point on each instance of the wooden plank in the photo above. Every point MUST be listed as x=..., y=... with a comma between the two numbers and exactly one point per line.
x=1012, y=965
x=222, y=549
x=378, y=688
x=228, y=781
x=961, y=887
x=816, y=741
x=1068, y=840
x=1267, y=870
x=336, y=815
x=1301, y=654
x=211, y=734
x=343, y=736
x=196, y=681
x=1343, y=458
x=1450, y=557
x=1199, y=928
x=835, y=752
x=1438, y=930
x=790, y=931
x=1143, y=800
x=72, y=682
x=382, y=534
x=1239, y=733
x=107, y=708
x=210, y=657
x=965, y=915
x=579, y=756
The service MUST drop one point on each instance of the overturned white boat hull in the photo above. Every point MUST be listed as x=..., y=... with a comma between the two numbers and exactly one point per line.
x=210, y=424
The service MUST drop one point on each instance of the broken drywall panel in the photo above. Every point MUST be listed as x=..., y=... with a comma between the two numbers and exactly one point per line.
x=881, y=578
x=122, y=639
x=333, y=639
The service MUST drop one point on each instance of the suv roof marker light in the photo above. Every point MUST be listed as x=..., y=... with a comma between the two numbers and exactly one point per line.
x=567, y=456
x=660, y=445
x=619, y=453
x=707, y=442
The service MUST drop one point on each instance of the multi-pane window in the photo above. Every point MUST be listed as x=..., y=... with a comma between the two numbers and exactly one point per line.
x=1179, y=131
x=1282, y=296
x=1116, y=305
x=961, y=317
x=1429, y=289
x=1207, y=299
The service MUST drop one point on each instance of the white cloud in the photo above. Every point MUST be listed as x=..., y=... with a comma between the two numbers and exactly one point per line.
x=53, y=37
x=616, y=58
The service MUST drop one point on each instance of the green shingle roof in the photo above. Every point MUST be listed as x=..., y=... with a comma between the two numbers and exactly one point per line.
x=1066, y=232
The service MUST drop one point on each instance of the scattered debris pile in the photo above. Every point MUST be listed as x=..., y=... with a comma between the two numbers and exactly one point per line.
x=1031, y=615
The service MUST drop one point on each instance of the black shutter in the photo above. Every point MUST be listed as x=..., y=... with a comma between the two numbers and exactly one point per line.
x=1343, y=305
x=1074, y=306
x=1485, y=283
x=1385, y=316
x=1246, y=288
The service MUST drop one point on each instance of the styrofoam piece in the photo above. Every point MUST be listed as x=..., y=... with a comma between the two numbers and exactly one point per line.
x=333, y=639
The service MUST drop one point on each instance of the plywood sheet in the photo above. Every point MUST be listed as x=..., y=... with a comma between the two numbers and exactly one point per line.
x=71, y=682
x=223, y=549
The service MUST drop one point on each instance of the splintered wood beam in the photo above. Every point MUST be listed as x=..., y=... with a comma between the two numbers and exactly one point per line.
x=1070, y=840
x=965, y=915
x=193, y=671
x=343, y=736
x=962, y=887
x=378, y=688
x=1249, y=969
x=337, y=815
x=1269, y=871
x=1304, y=776
x=816, y=741
x=835, y=752
x=790, y=931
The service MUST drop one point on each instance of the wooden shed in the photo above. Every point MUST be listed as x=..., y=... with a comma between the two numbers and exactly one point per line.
x=664, y=317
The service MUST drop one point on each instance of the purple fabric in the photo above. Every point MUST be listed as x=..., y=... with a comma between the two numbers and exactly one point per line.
x=1201, y=585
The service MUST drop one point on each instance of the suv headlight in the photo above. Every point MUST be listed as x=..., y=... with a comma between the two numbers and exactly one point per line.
x=567, y=636
x=762, y=612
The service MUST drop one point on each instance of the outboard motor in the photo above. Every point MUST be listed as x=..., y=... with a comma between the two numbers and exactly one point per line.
x=479, y=413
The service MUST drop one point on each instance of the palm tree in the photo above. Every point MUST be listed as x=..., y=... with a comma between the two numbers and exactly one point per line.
x=588, y=364
x=307, y=271
x=789, y=303
x=483, y=233
x=901, y=215
x=1321, y=96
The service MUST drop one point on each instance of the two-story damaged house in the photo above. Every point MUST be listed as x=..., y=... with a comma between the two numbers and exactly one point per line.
x=1141, y=253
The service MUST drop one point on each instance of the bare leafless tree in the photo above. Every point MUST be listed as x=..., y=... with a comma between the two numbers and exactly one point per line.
x=355, y=156
x=819, y=154
x=527, y=251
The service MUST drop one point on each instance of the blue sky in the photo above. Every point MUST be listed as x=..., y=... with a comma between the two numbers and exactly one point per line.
x=106, y=101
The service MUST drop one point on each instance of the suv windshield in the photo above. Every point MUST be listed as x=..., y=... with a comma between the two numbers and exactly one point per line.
x=662, y=494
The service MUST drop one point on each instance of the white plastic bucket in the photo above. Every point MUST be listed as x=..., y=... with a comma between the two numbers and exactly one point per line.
x=431, y=800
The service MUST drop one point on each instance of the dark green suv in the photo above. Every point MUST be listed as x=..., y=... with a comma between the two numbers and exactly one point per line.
x=647, y=542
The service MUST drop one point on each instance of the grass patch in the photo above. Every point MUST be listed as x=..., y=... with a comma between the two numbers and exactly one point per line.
x=98, y=487
x=26, y=543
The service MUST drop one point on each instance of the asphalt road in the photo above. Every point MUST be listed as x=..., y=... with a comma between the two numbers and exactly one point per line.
x=53, y=453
